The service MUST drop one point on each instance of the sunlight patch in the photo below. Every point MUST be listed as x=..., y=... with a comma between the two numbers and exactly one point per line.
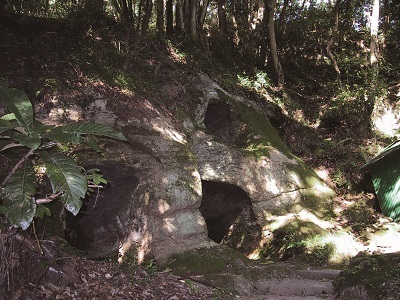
x=387, y=122
x=169, y=224
x=169, y=133
x=386, y=239
x=271, y=185
x=305, y=215
x=163, y=206
x=346, y=246
x=197, y=185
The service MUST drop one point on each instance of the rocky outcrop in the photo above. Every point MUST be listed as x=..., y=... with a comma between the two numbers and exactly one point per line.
x=207, y=172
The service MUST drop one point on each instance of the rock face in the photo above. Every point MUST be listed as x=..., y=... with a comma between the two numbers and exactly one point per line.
x=208, y=172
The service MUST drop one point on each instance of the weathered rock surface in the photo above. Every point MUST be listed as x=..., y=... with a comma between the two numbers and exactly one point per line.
x=193, y=177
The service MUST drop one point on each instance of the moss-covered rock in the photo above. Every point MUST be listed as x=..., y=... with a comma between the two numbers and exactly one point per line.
x=370, y=277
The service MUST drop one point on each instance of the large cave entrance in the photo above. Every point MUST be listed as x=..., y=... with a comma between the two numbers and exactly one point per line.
x=229, y=216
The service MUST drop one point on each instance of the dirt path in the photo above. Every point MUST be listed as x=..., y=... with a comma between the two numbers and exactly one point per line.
x=279, y=281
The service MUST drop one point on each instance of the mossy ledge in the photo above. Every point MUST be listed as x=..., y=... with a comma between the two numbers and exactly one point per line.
x=370, y=277
x=205, y=261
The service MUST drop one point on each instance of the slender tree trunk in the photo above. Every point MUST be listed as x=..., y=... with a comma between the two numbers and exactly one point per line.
x=272, y=43
x=385, y=24
x=139, y=18
x=124, y=11
x=180, y=25
x=264, y=39
x=202, y=15
x=130, y=10
x=222, y=17
x=332, y=42
x=374, y=54
x=282, y=15
x=117, y=7
x=170, y=18
x=194, y=13
x=160, y=17
x=147, y=15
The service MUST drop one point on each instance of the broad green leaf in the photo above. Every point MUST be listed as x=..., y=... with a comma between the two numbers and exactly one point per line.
x=92, y=143
x=39, y=127
x=32, y=141
x=5, y=125
x=42, y=211
x=58, y=135
x=92, y=128
x=65, y=176
x=19, y=205
x=17, y=102
x=8, y=117
x=99, y=180
x=3, y=210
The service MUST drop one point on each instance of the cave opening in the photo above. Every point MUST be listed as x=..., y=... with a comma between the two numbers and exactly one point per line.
x=221, y=206
x=222, y=121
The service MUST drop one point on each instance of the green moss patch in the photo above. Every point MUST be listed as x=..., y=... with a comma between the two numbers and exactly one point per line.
x=294, y=238
x=370, y=276
x=259, y=136
x=204, y=261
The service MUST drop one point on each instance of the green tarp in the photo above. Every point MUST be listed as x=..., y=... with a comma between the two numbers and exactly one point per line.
x=385, y=174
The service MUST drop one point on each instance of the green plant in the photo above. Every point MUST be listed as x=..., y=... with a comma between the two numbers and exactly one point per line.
x=320, y=254
x=192, y=286
x=224, y=294
x=129, y=261
x=47, y=153
x=258, y=82
x=150, y=267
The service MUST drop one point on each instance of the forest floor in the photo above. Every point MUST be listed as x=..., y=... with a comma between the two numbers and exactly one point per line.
x=43, y=63
x=74, y=277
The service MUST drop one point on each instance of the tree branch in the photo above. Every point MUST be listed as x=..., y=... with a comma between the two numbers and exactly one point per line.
x=48, y=199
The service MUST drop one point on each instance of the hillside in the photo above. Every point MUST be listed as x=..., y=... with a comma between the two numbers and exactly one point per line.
x=64, y=72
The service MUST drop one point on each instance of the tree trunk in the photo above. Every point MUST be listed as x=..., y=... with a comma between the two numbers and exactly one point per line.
x=282, y=15
x=170, y=18
x=332, y=42
x=263, y=43
x=272, y=43
x=124, y=11
x=116, y=6
x=94, y=8
x=139, y=15
x=222, y=17
x=202, y=14
x=147, y=15
x=130, y=11
x=194, y=16
x=374, y=54
x=179, y=17
x=385, y=23
x=160, y=17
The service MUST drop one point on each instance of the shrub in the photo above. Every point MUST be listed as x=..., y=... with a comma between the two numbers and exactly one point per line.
x=47, y=153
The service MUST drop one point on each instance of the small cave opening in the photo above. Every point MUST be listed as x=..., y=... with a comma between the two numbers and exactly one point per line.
x=228, y=212
x=222, y=121
x=94, y=229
